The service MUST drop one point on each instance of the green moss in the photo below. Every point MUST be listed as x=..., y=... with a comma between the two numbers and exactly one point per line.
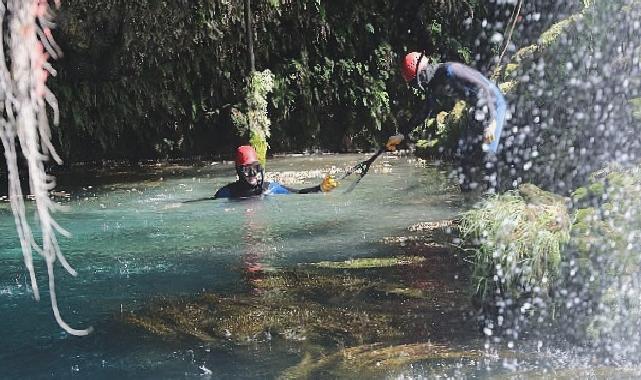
x=426, y=144
x=583, y=229
x=583, y=218
x=580, y=194
x=519, y=237
x=254, y=120
x=370, y=262
x=618, y=179
x=511, y=70
x=551, y=35
x=534, y=195
x=525, y=54
x=259, y=142
x=508, y=87
x=597, y=188
x=445, y=129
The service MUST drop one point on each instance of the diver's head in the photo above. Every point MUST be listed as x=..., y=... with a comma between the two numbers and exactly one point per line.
x=412, y=64
x=248, y=168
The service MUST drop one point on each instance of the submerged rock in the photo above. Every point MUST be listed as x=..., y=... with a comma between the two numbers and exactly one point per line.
x=374, y=361
x=414, y=297
x=213, y=317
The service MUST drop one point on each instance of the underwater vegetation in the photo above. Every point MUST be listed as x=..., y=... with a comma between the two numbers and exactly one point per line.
x=397, y=306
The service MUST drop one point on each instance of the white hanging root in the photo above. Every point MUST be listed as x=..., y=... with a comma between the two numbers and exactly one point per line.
x=24, y=93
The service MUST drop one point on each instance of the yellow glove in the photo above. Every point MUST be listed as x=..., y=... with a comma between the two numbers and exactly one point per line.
x=328, y=184
x=488, y=134
x=393, y=141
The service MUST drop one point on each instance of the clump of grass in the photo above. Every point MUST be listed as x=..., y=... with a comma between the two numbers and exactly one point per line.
x=518, y=238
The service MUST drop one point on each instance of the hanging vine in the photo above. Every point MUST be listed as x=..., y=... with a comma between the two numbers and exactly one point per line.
x=27, y=45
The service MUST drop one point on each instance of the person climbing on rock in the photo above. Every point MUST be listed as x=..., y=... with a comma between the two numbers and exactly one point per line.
x=461, y=81
x=251, y=179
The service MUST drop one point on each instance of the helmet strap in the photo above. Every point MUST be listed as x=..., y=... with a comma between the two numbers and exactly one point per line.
x=418, y=64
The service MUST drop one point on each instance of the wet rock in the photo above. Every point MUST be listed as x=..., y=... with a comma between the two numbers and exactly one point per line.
x=375, y=361
x=213, y=317
x=407, y=297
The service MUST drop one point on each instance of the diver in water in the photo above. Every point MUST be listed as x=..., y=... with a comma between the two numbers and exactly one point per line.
x=461, y=81
x=251, y=179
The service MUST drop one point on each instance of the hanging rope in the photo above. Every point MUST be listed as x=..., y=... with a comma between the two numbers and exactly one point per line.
x=515, y=17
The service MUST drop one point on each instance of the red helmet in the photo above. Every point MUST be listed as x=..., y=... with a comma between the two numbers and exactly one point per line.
x=245, y=155
x=410, y=63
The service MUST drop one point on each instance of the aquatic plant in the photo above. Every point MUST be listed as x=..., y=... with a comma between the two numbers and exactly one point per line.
x=322, y=306
x=27, y=45
x=519, y=236
x=289, y=305
x=254, y=121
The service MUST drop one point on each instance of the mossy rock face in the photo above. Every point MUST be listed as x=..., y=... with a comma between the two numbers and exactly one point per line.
x=526, y=53
x=618, y=194
x=605, y=251
x=552, y=35
x=444, y=131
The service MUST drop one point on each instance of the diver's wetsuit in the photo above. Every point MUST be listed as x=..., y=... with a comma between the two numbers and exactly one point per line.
x=459, y=80
x=240, y=189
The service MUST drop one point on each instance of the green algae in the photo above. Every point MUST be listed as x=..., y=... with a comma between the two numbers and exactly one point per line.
x=371, y=262
x=580, y=194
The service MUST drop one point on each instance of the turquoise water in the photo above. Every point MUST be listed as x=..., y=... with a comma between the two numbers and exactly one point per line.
x=133, y=241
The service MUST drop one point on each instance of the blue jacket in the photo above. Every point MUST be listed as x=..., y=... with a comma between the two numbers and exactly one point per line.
x=240, y=189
